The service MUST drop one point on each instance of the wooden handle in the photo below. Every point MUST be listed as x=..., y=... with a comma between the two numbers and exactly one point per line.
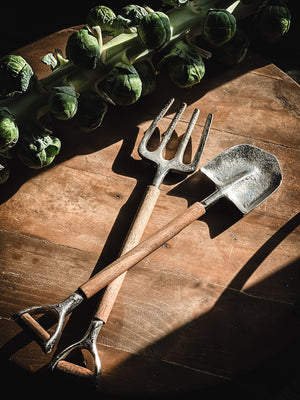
x=128, y=260
x=74, y=369
x=35, y=326
x=134, y=236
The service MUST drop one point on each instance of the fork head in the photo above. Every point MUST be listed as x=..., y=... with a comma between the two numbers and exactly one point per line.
x=176, y=164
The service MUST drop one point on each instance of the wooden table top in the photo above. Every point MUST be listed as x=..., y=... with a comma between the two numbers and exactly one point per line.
x=213, y=305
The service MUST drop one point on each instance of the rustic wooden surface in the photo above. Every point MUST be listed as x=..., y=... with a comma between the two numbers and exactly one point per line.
x=215, y=305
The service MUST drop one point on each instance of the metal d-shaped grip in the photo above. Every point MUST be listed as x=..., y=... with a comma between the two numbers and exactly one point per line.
x=61, y=310
x=89, y=343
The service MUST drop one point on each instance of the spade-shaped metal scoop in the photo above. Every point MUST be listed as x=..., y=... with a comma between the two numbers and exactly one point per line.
x=244, y=174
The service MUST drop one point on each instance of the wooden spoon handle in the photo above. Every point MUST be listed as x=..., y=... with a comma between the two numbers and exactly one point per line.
x=128, y=260
x=133, y=237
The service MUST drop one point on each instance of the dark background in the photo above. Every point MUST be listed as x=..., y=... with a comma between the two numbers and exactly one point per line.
x=23, y=23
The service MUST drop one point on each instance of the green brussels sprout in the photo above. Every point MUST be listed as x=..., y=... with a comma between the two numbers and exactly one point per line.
x=184, y=74
x=9, y=132
x=4, y=170
x=134, y=13
x=185, y=66
x=120, y=24
x=100, y=15
x=233, y=51
x=91, y=110
x=219, y=26
x=147, y=74
x=16, y=75
x=175, y=3
x=154, y=30
x=110, y=24
x=123, y=84
x=273, y=22
x=83, y=49
x=37, y=147
x=63, y=102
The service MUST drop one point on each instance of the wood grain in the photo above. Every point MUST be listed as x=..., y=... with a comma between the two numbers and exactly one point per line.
x=215, y=304
x=140, y=251
x=133, y=237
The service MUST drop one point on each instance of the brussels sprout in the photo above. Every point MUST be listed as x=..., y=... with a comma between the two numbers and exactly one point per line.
x=273, y=22
x=233, y=51
x=63, y=102
x=134, y=13
x=16, y=75
x=9, y=132
x=91, y=110
x=110, y=24
x=184, y=74
x=119, y=25
x=219, y=26
x=4, y=170
x=83, y=49
x=185, y=65
x=37, y=148
x=175, y=3
x=154, y=30
x=101, y=15
x=147, y=74
x=123, y=84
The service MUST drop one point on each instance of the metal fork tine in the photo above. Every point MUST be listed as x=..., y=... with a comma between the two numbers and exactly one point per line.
x=154, y=123
x=202, y=143
x=186, y=137
x=166, y=136
x=176, y=163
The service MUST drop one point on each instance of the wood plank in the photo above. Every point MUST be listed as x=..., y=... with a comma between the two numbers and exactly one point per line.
x=36, y=270
x=183, y=313
x=117, y=365
x=29, y=261
x=178, y=300
x=229, y=244
x=85, y=205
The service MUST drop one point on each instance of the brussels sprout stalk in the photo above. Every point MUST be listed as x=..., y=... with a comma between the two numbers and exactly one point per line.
x=90, y=67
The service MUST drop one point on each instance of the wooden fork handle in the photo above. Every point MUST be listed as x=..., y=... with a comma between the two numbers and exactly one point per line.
x=133, y=237
x=132, y=257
